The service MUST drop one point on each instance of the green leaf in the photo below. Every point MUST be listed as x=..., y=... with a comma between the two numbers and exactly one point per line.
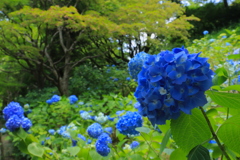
x=94, y=155
x=165, y=141
x=35, y=149
x=135, y=157
x=178, y=154
x=23, y=147
x=234, y=56
x=73, y=150
x=21, y=133
x=232, y=87
x=220, y=77
x=190, y=130
x=229, y=133
x=229, y=100
x=143, y=129
x=199, y=153
x=216, y=152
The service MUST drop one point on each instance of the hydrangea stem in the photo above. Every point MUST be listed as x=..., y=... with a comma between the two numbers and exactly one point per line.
x=214, y=135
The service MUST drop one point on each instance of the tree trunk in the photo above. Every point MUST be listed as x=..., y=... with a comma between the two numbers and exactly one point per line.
x=225, y=3
x=63, y=86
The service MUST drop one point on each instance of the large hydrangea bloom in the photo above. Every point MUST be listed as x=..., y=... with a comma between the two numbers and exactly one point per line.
x=13, y=123
x=136, y=63
x=73, y=99
x=13, y=108
x=55, y=98
x=170, y=82
x=102, y=144
x=127, y=123
x=94, y=130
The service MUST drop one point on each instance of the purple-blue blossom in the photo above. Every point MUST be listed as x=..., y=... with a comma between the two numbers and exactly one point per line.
x=134, y=144
x=73, y=99
x=102, y=144
x=13, y=108
x=13, y=123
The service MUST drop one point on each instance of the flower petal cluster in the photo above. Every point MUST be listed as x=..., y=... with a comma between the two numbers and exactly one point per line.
x=13, y=108
x=170, y=82
x=73, y=99
x=205, y=32
x=14, y=115
x=136, y=63
x=55, y=98
x=127, y=123
x=102, y=144
x=94, y=130
x=108, y=130
x=3, y=130
x=85, y=115
x=51, y=131
x=134, y=144
x=101, y=118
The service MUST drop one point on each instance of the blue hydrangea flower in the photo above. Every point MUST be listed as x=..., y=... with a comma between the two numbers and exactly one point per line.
x=66, y=135
x=73, y=99
x=115, y=79
x=128, y=78
x=13, y=123
x=47, y=138
x=228, y=44
x=42, y=142
x=205, y=32
x=170, y=82
x=134, y=144
x=224, y=36
x=26, y=124
x=102, y=144
x=120, y=112
x=211, y=40
x=13, y=108
x=3, y=130
x=101, y=118
x=74, y=143
x=110, y=118
x=85, y=114
x=62, y=130
x=136, y=63
x=127, y=123
x=109, y=130
x=51, y=131
x=81, y=137
x=81, y=103
x=89, y=141
x=212, y=141
x=94, y=130
x=55, y=98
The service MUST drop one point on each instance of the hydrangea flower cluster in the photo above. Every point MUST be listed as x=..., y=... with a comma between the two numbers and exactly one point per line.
x=55, y=98
x=101, y=118
x=205, y=32
x=94, y=130
x=102, y=144
x=63, y=132
x=51, y=131
x=13, y=113
x=170, y=82
x=136, y=63
x=134, y=144
x=85, y=115
x=127, y=123
x=73, y=99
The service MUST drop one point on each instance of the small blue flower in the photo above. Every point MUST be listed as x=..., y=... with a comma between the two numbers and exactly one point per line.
x=212, y=141
x=74, y=143
x=51, y=131
x=55, y=98
x=26, y=124
x=110, y=119
x=42, y=142
x=228, y=44
x=3, y=130
x=66, y=135
x=89, y=141
x=127, y=123
x=113, y=65
x=62, y=130
x=211, y=40
x=108, y=70
x=50, y=153
x=94, y=130
x=134, y=144
x=85, y=115
x=128, y=78
x=109, y=130
x=224, y=36
x=47, y=138
x=81, y=137
x=81, y=103
x=115, y=79
x=73, y=99
x=205, y=32
x=120, y=112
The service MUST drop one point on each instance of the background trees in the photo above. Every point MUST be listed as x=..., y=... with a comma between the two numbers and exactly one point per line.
x=48, y=39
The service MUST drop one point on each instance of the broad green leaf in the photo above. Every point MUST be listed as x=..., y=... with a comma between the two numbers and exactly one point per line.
x=21, y=133
x=73, y=150
x=229, y=133
x=220, y=77
x=94, y=155
x=199, y=153
x=229, y=100
x=23, y=147
x=190, y=130
x=135, y=157
x=232, y=87
x=143, y=129
x=216, y=152
x=234, y=56
x=178, y=154
x=36, y=149
x=165, y=141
